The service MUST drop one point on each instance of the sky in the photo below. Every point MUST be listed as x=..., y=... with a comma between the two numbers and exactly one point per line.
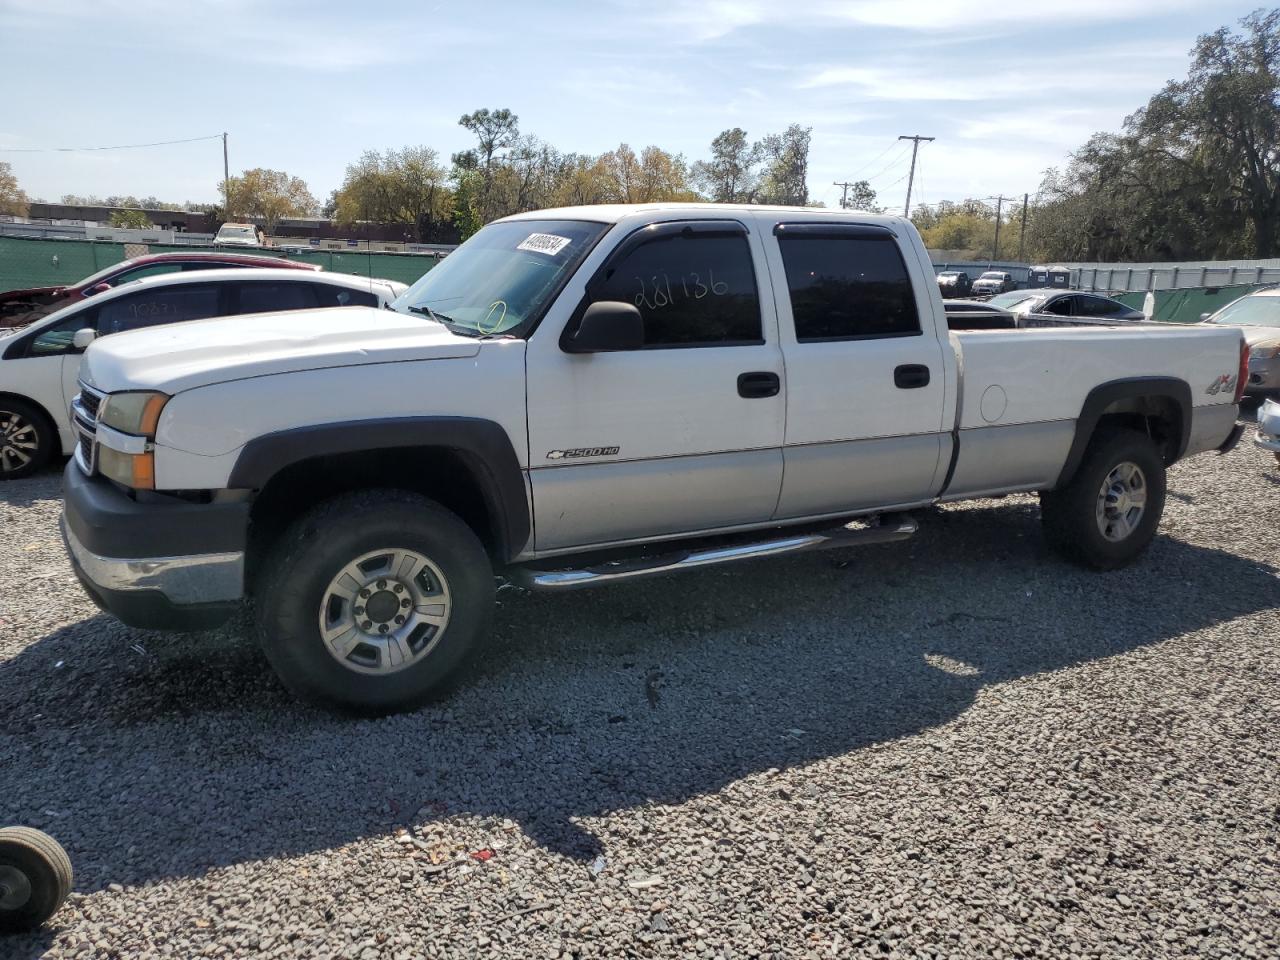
x=1008, y=90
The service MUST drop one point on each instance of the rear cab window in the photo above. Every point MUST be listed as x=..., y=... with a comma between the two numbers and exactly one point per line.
x=846, y=282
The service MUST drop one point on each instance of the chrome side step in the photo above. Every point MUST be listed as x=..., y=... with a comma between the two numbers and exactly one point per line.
x=890, y=527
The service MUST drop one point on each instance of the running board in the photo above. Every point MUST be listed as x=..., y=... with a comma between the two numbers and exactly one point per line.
x=890, y=527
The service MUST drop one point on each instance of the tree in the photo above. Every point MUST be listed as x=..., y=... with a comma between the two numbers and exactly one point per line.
x=407, y=186
x=270, y=196
x=13, y=200
x=494, y=129
x=651, y=177
x=785, y=155
x=730, y=176
x=130, y=219
x=861, y=197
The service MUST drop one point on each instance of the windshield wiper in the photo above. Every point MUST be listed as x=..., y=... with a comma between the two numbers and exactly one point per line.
x=453, y=325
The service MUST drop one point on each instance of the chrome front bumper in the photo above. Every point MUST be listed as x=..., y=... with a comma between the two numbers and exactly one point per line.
x=198, y=579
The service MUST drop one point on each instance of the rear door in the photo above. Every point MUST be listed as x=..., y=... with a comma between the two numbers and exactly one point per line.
x=866, y=372
x=680, y=436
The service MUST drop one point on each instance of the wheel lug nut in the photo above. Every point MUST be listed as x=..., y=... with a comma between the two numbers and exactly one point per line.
x=364, y=594
x=359, y=610
x=383, y=629
x=367, y=625
x=404, y=602
x=399, y=588
x=399, y=620
x=382, y=584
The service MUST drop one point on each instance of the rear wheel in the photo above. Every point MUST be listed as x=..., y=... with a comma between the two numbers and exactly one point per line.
x=35, y=878
x=1108, y=513
x=373, y=601
x=26, y=439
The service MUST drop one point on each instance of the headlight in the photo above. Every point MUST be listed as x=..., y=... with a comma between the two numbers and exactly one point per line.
x=127, y=423
x=1263, y=353
x=135, y=412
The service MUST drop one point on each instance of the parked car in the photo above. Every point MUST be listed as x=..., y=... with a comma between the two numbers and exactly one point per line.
x=977, y=315
x=18, y=307
x=664, y=387
x=1268, y=436
x=39, y=364
x=954, y=283
x=239, y=235
x=1065, y=303
x=1257, y=314
x=994, y=281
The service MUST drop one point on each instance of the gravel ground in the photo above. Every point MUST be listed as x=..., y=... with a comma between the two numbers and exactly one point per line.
x=955, y=746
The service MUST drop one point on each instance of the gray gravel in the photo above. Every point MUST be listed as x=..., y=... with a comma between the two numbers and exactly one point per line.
x=957, y=746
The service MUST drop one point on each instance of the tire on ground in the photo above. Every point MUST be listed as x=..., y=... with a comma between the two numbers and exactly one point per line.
x=35, y=878
x=1070, y=514
x=297, y=572
x=13, y=448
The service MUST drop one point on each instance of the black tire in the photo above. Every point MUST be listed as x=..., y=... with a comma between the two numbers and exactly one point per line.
x=297, y=574
x=1070, y=514
x=23, y=423
x=35, y=878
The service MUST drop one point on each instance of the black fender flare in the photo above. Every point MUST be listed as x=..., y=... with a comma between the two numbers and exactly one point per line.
x=1135, y=388
x=483, y=445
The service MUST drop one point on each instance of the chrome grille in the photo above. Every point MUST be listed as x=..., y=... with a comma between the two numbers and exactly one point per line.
x=84, y=420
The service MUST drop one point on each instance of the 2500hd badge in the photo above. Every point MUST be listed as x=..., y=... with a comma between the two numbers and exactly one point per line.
x=583, y=452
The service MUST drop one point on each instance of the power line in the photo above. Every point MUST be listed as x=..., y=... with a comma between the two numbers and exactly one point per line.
x=123, y=146
x=872, y=163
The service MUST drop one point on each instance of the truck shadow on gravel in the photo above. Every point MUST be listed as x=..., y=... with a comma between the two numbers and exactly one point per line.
x=187, y=756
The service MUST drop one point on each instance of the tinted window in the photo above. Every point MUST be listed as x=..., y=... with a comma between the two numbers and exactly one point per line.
x=149, y=308
x=268, y=296
x=1098, y=307
x=329, y=296
x=848, y=286
x=57, y=338
x=690, y=289
x=1061, y=306
x=151, y=270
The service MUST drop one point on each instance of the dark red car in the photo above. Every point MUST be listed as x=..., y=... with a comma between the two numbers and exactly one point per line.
x=19, y=307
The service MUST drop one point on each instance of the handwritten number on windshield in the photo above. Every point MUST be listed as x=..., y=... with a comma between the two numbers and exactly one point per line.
x=656, y=293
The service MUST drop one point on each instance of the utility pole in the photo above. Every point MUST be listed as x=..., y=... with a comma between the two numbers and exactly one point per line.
x=226, y=179
x=911, y=178
x=1022, y=240
x=844, y=197
x=1000, y=200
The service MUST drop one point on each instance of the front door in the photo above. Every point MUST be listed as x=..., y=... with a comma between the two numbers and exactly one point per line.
x=681, y=436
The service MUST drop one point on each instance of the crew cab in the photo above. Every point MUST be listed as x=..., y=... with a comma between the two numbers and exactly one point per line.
x=587, y=395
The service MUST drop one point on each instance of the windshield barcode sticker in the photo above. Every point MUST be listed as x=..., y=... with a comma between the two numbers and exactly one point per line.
x=547, y=243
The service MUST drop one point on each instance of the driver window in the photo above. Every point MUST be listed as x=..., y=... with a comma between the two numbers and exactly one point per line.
x=55, y=340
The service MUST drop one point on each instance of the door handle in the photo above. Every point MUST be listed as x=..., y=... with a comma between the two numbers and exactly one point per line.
x=760, y=383
x=911, y=376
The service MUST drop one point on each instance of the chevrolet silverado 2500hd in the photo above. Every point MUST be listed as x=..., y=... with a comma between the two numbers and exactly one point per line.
x=586, y=395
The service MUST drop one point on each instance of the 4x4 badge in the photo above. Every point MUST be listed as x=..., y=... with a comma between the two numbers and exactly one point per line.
x=583, y=452
x=1225, y=382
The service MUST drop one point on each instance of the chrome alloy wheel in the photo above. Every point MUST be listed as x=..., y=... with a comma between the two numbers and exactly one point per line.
x=18, y=441
x=1121, y=501
x=15, y=888
x=384, y=611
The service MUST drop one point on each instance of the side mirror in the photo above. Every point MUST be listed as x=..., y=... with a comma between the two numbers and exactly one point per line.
x=82, y=338
x=607, y=327
x=97, y=288
x=1205, y=316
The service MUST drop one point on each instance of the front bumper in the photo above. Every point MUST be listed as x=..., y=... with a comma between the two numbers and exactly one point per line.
x=167, y=565
x=1268, y=435
x=1264, y=375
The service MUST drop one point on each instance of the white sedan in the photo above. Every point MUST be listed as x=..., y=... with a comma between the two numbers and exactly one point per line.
x=39, y=363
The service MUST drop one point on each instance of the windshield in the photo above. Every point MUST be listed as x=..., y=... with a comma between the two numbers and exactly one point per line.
x=247, y=232
x=991, y=276
x=1007, y=301
x=949, y=274
x=502, y=276
x=1250, y=312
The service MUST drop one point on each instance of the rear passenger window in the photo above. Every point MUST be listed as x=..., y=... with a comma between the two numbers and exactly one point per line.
x=268, y=296
x=848, y=287
x=331, y=296
x=691, y=289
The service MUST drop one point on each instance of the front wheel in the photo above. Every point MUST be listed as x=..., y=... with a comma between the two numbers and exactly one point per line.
x=1108, y=513
x=26, y=439
x=372, y=601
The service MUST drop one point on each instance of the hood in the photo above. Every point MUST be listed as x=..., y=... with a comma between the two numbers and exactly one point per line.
x=29, y=292
x=182, y=356
x=1254, y=336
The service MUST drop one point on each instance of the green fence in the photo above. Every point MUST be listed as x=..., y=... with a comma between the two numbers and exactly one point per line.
x=40, y=263
x=1187, y=306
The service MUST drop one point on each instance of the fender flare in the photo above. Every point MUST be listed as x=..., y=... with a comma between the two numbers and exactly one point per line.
x=1135, y=388
x=483, y=446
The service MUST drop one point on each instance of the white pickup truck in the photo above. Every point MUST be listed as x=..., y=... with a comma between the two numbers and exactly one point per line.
x=587, y=395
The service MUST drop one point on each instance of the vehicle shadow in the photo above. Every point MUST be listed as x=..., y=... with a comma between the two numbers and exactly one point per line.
x=188, y=756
